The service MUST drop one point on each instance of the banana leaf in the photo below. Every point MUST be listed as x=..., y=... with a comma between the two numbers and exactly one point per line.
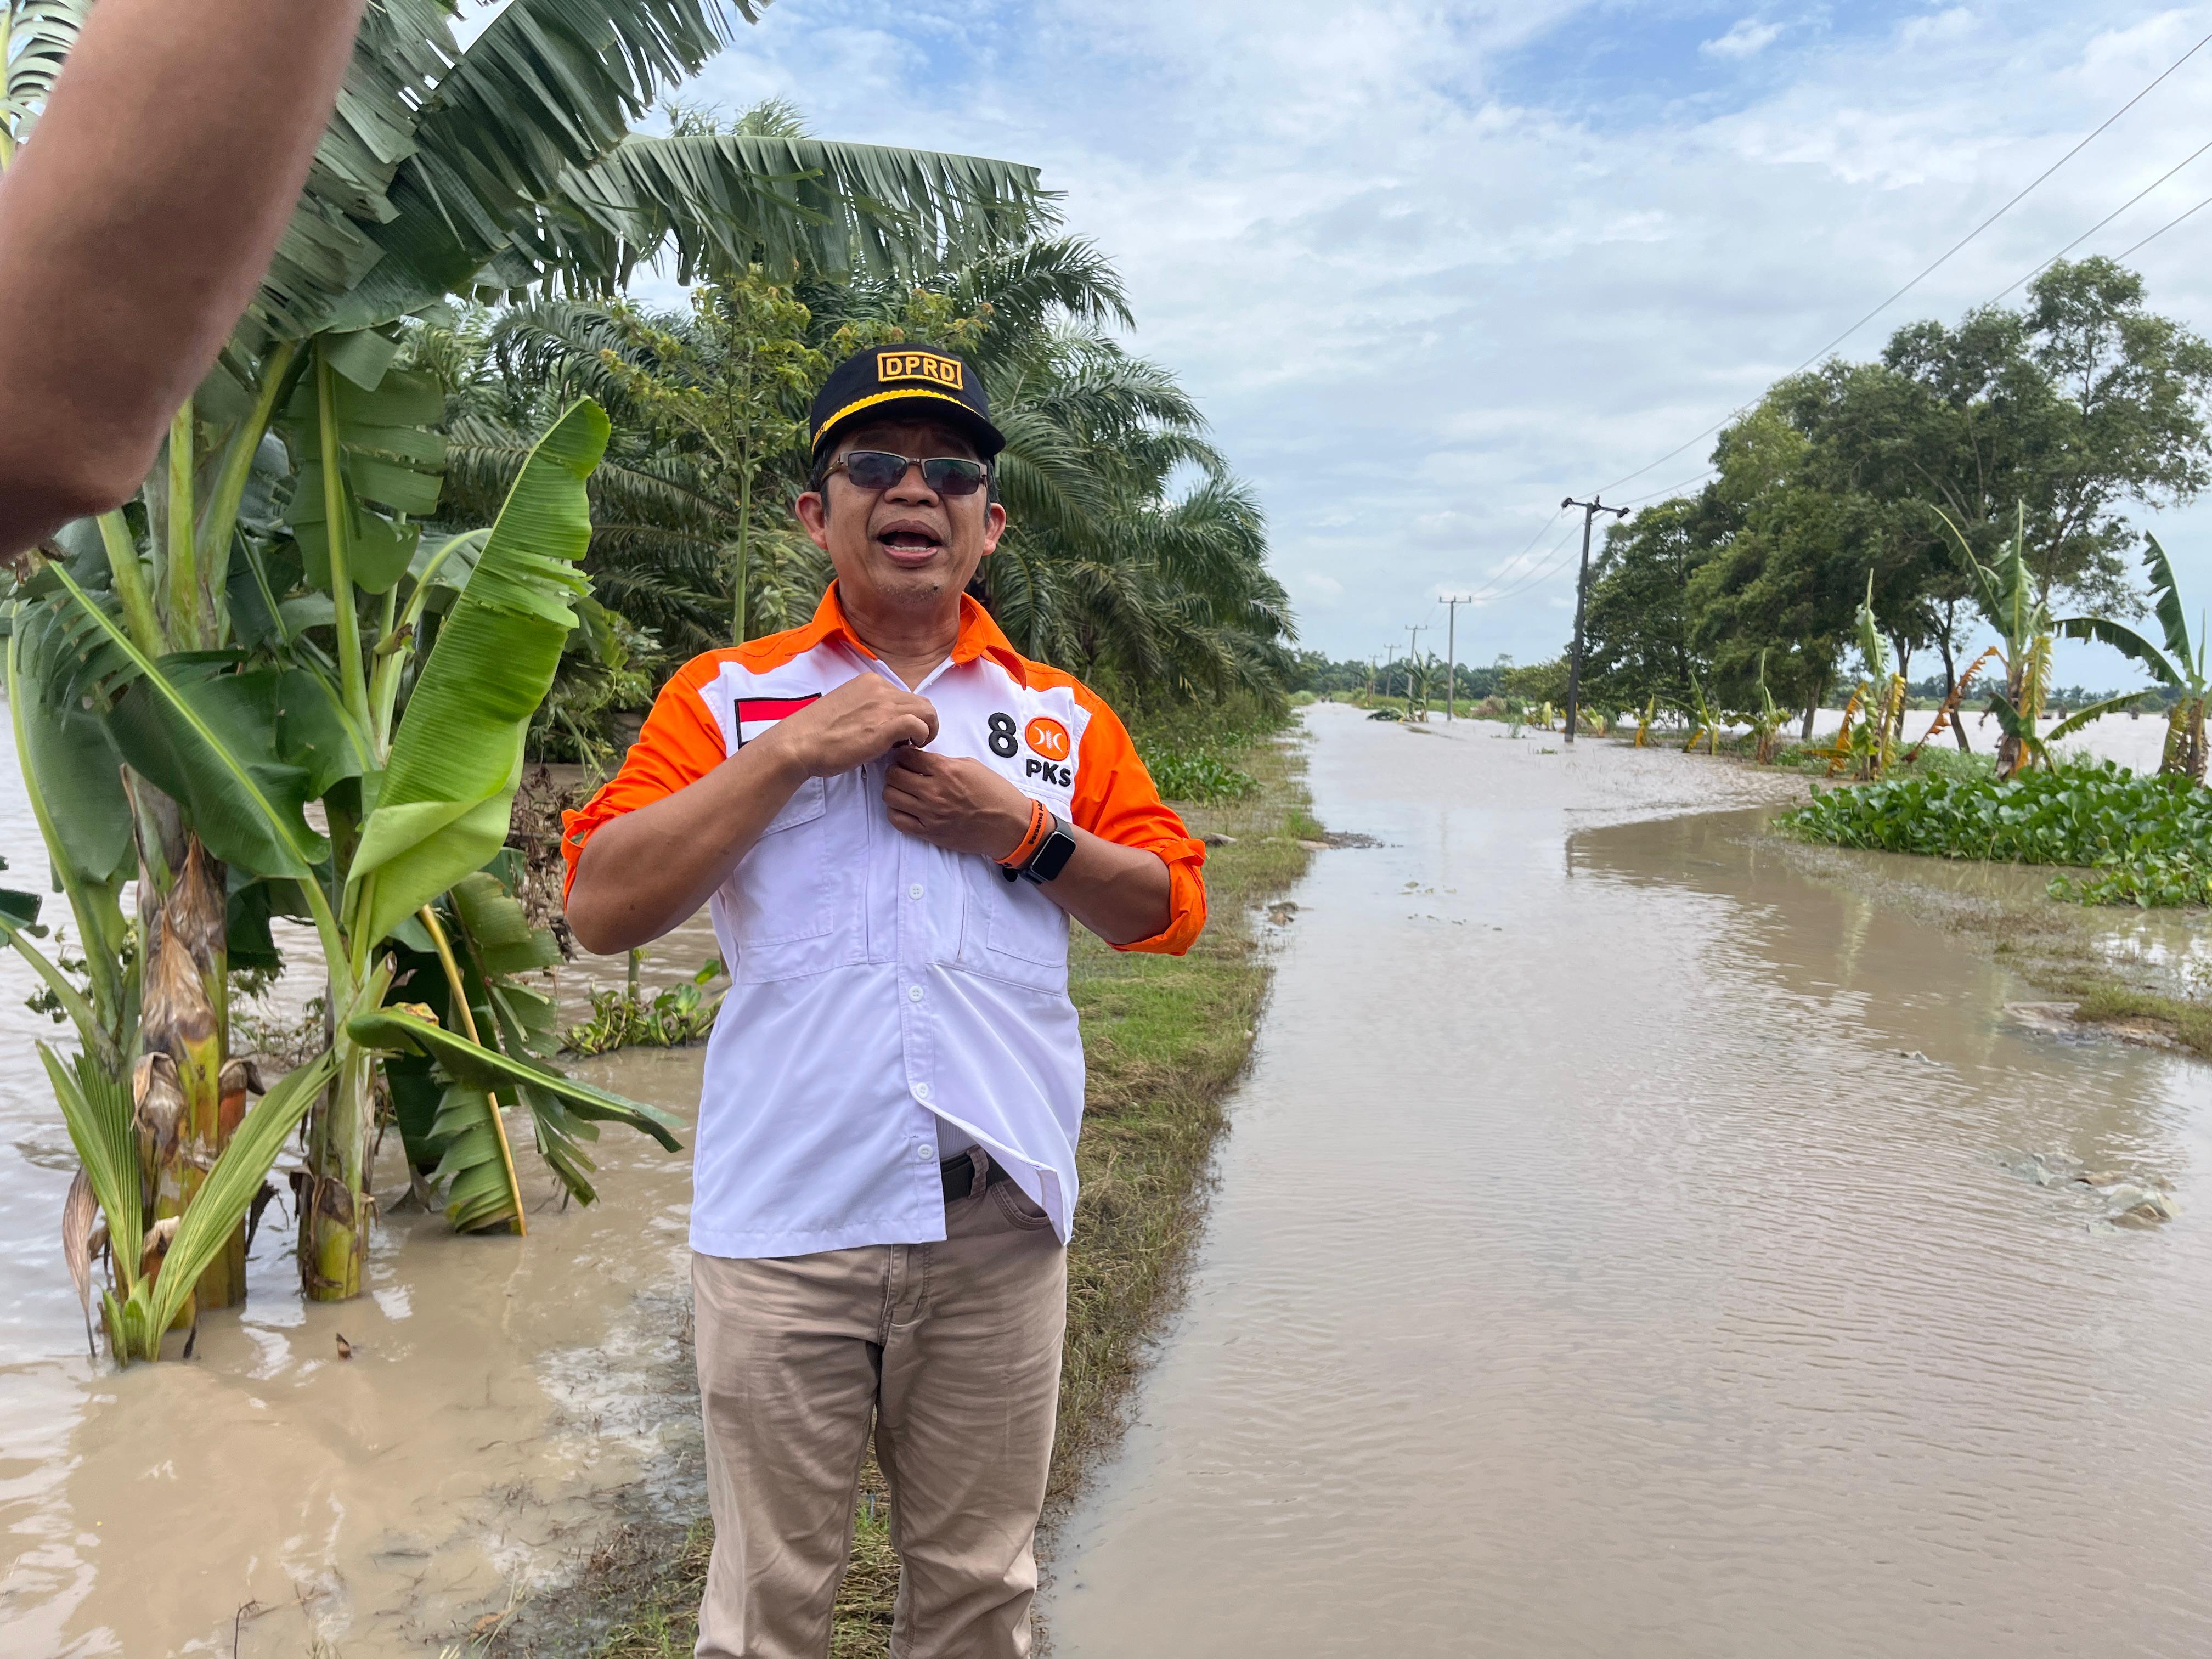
x=201, y=736
x=389, y=454
x=441, y=812
x=470, y=1064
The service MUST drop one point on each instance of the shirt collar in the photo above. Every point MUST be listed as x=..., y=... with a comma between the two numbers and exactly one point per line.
x=979, y=635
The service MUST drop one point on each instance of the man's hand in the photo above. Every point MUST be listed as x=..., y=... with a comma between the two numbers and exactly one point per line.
x=846, y=728
x=955, y=803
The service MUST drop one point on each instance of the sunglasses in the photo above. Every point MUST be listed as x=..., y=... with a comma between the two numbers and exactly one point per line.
x=877, y=470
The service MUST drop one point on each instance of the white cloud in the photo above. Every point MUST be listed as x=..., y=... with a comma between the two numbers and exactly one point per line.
x=1747, y=38
x=1428, y=276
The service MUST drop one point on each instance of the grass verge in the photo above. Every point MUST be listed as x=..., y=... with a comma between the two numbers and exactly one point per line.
x=1166, y=1038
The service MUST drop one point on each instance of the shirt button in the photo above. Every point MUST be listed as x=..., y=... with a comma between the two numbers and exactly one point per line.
x=921, y=1092
x=921, y=1153
x=914, y=993
x=914, y=892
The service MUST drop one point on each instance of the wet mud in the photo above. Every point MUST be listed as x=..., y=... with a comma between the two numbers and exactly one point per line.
x=1630, y=1243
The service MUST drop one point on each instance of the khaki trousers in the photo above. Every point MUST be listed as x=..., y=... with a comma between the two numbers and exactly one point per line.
x=953, y=1350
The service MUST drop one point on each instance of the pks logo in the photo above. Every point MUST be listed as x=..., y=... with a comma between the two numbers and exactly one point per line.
x=1049, y=747
x=1048, y=737
x=1048, y=740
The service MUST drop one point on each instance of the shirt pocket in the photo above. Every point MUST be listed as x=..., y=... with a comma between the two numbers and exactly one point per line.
x=1026, y=924
x=783, y=884
x=1014, y=932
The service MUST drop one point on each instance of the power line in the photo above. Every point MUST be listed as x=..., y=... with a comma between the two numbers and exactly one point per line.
x=1671, y=489
x=2169, y=225
x=2018, y=196
x=1545, y=569
x=2108, y=219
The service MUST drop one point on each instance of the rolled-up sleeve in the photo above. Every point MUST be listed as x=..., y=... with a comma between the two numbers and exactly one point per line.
x=680, y=743
x=1115, y=800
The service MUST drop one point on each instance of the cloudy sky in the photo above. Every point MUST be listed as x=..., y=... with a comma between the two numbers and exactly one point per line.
x=1432, y=268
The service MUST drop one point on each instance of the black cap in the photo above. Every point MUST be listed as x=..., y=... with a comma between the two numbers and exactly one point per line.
x=904, y=382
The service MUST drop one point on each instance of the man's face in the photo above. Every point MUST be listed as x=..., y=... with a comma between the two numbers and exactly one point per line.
x=904, y=548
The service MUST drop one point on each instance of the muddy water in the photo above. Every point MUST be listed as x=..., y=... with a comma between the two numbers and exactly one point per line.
x=269, y=1494
x=1619, y=1250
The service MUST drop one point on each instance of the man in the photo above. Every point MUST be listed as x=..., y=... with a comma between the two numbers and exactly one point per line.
x=892, y=815
x=182, y=129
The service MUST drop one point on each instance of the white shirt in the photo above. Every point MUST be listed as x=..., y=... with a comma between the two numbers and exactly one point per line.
x=889, y=994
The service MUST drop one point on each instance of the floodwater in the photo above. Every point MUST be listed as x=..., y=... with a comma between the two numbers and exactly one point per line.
x=268, y=1495
x=1627, y=1245
x=1619, y=1250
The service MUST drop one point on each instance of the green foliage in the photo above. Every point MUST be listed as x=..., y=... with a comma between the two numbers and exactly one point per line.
x=1106, y=568
x=2144, y=838
x=670, y=1019
x=1203, y=778
x=1194, y=750
x=457, y=758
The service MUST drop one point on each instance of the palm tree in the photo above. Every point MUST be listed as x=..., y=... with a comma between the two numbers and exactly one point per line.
x=1105, y=567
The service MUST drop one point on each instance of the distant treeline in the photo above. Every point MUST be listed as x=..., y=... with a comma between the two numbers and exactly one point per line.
x=1313, y=672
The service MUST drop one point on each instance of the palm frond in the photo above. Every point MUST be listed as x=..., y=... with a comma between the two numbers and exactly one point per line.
x=799, y=205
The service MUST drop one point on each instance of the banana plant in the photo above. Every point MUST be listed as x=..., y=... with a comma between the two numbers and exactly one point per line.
x=2009, y=601
x=2007, y=596
x=2179, y=666
x=1875, y=744
x=415, y=806
x=1705, y=723
x=1766, y=720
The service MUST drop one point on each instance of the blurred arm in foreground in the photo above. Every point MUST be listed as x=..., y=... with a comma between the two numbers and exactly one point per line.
x=184, y=125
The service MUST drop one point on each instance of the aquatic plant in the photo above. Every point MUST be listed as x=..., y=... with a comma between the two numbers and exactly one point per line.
x=2143, y=840
x=669, y=1019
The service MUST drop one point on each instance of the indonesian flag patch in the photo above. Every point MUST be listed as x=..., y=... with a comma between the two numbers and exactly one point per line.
x=756, y=714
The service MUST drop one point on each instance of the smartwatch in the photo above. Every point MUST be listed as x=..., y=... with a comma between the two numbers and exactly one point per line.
x=1052, y=855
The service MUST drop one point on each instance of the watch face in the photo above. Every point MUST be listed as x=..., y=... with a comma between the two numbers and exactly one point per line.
x=1049, y=860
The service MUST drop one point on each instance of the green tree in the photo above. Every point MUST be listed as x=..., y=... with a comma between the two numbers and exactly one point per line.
x=2080, y=404
x=1786, y=585
x=1638, y=625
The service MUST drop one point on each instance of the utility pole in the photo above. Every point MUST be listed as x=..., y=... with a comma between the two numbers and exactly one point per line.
x=1451, y=655
x=1413, y=635
x=1590, y=509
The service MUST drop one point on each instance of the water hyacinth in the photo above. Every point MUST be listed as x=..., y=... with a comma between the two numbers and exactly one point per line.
x=2145, y=840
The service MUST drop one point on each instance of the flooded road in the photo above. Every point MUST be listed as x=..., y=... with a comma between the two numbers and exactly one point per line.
x=1627, y=1245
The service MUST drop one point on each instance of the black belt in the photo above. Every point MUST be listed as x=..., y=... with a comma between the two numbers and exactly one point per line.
x=959, y=1174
